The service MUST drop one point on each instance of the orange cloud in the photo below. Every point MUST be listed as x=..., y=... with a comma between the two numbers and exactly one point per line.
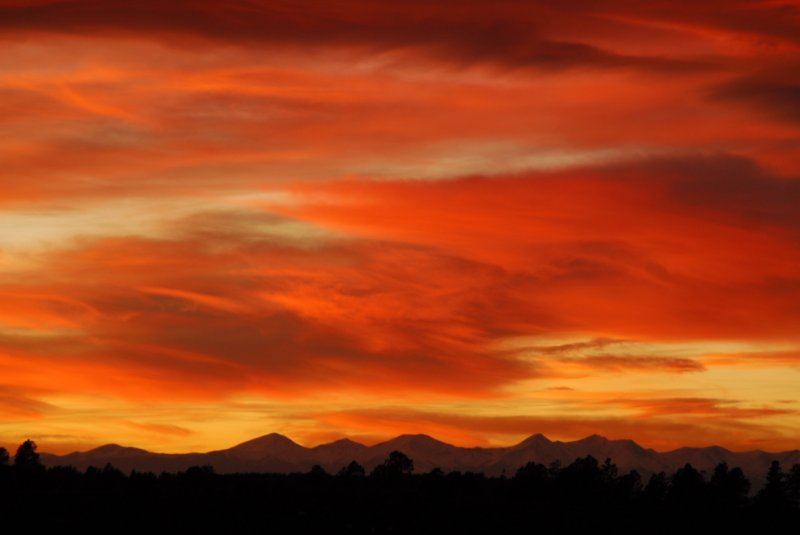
x=646, y=250
x=160, y=429
x=511, y=210
x=19, y=405
x=257, y=338
x=697, y=407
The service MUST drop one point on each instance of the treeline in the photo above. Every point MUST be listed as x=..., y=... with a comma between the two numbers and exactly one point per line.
x=584, y=496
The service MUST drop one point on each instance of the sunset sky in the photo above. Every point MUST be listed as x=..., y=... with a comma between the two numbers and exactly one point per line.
x=475, y=220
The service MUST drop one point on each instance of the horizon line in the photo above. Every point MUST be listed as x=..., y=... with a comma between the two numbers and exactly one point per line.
x=383, y=441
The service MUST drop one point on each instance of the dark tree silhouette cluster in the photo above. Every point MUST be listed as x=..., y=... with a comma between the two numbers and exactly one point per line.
x=585, y=496
x=27, y=458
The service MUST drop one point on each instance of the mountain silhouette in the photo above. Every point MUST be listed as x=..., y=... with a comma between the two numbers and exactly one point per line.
x=331, y=454
x=277, y=453
x=272, y=445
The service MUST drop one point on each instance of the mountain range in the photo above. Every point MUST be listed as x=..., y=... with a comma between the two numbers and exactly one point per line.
x=277, y=453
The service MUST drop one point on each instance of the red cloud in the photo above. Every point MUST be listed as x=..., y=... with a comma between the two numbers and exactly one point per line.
x=191, y=318
x=511, y=34
x=646, y=250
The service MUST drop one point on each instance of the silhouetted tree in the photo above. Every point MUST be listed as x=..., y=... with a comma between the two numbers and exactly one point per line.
x=582, y=497
x=583, y=469
x=532, y=472
x=582, y=480
x=775, y=477
x=318, y=471
x=533, y=480
x=773, y=503
x=397, y=464
x=793, y=485
x=656, y=489
x=554, y=468
x=26, y=457
x=352, y=470
x=197, y=472
x=774, y=494
x=687, y=489
x=436, y=472
x=728, y=488
x=609, y=471
x=630, y=484
x=3, y=457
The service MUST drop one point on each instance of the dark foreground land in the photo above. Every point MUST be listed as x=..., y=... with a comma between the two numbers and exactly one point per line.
x=585, y=496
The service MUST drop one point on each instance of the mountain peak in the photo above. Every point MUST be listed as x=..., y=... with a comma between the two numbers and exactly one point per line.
x=107, y=447
x=416, y=439
x=267, y=445
x=113, y=447
x=113, y=450
x=271, y=438
x=535, y=439
x=341, y=444
x=419, y=436
x=418, y=443
x=592, y=439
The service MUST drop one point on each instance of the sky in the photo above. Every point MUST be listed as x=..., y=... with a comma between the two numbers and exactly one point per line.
x=473, y=220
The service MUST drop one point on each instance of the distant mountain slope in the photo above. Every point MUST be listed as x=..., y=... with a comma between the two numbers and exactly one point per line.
x=277, y=453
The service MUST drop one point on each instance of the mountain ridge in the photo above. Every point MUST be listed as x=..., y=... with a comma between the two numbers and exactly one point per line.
x=274, y=452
